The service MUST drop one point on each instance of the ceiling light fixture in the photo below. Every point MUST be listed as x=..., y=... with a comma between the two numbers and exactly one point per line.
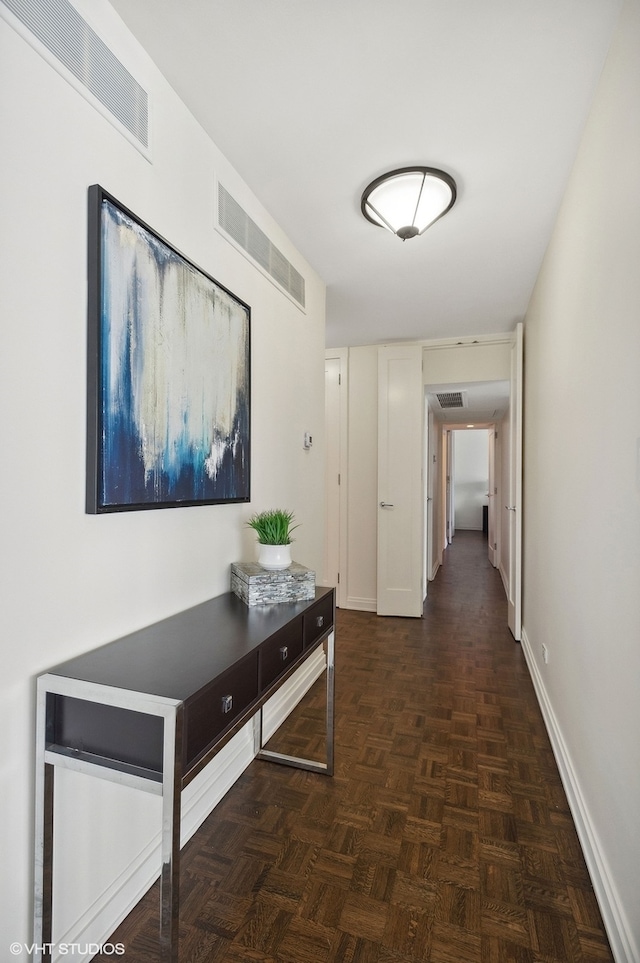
x=408, y=201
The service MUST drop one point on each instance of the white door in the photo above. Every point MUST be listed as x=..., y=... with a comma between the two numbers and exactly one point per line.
x=443, y=495
x=492, y=491
x=430, y=469
x=332, y=369
x=514, y=508
x=400, y=489
x=451, y=488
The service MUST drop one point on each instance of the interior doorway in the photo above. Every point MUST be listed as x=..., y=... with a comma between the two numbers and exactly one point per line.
x=472, y=486
x=470, y=480
x=450, y=383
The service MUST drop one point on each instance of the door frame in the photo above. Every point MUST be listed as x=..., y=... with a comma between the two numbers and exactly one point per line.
x=515, y=339
x=487, y=367
x=514, y=508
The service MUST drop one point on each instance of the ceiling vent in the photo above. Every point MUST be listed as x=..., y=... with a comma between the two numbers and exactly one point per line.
x=57, y=31
x=452, y=399
x=237, y=224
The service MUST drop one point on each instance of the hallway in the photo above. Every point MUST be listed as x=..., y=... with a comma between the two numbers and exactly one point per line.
x=445, y=835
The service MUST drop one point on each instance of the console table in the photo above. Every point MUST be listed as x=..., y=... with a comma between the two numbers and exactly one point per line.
x=150, y=710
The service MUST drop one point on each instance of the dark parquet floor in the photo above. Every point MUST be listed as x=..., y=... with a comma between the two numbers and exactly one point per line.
x=445, y=834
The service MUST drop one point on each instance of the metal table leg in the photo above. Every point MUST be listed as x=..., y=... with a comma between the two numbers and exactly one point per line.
x=170, y=873
x=43, y=856
x=296, y=761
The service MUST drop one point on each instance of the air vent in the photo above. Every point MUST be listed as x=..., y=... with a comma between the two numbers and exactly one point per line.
x=235, y=222
x=73, y=46
x=451, y=399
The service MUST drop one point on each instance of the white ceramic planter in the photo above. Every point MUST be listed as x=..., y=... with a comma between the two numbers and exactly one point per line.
x=274, y=557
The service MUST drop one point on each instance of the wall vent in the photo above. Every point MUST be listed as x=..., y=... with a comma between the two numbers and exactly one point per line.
x=67, y=41
x=235, y=222
x=451, y=399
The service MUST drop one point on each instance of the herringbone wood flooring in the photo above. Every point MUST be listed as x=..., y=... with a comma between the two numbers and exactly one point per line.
x=445, y=834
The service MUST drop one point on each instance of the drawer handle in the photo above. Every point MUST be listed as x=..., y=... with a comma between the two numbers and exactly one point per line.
x=284, y=652
x=319, y=621
x=227, y=703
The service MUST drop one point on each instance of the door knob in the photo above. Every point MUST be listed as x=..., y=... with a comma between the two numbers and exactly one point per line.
x=386, y=504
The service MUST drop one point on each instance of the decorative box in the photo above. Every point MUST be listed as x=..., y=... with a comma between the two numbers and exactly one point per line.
x=256, y=586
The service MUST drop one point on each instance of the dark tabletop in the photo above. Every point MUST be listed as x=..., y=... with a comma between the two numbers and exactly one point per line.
x=175, y=657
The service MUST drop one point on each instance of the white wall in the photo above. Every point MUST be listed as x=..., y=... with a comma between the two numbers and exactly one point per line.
x=582, y=487
x=487, y=359
x=71, y=581
x=471, y=477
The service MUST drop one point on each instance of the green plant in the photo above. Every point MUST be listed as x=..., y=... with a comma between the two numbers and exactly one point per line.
x=273, y=527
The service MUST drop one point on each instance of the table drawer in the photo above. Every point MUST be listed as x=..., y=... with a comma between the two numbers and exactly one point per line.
x=318, y=620
x=218, y=706
x=280, y=652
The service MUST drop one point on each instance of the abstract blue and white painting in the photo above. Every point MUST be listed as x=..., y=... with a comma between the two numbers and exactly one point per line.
x=174, y=376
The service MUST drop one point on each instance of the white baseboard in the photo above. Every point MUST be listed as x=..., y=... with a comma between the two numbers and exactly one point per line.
x=198, y=800
x=360, y=604
x=505, y=579
x=623, y=942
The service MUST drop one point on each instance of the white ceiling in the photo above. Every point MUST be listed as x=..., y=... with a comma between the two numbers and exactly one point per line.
x=312, y=99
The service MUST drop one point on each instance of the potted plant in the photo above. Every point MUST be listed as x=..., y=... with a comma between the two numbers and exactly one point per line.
x=273, y=528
